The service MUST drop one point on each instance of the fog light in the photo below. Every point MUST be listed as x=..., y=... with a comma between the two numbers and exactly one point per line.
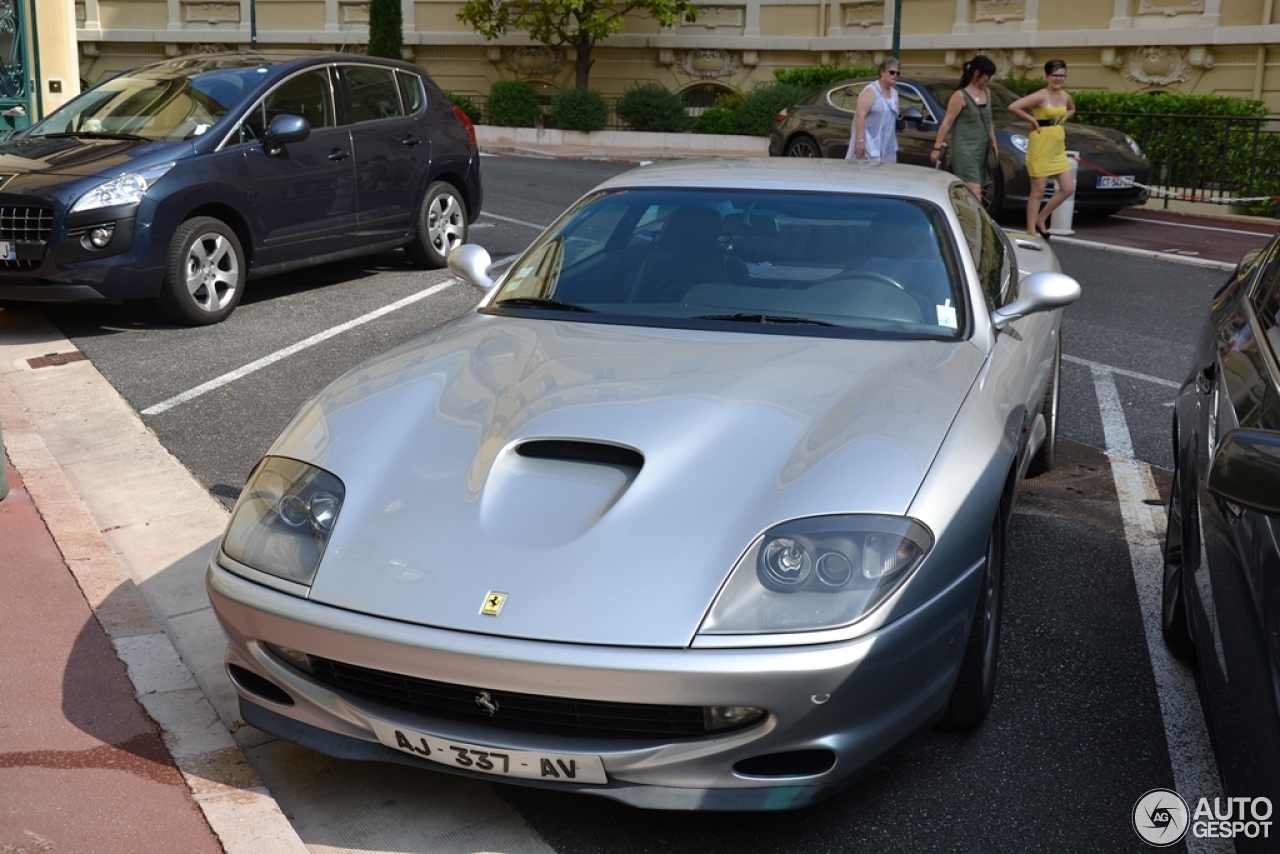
x=101, y=235
x=717, y=718
x=295, y=657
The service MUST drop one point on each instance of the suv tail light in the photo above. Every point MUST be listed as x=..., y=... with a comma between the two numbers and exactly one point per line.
x=782, y=114
x=466, y=122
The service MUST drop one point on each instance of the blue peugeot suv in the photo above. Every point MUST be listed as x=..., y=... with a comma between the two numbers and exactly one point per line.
x=181, y=180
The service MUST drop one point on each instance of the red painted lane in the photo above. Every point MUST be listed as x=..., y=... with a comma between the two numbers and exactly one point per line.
x=82, y=765
x=1174, y=233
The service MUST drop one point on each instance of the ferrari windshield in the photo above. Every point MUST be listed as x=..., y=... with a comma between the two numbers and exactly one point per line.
x=174, y=101
x=806, y=262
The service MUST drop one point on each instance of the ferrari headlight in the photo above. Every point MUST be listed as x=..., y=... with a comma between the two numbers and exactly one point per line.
x=283, y=520
x=818, y=573
x=1018, y=141
x=126, y=189
x=1133, y=145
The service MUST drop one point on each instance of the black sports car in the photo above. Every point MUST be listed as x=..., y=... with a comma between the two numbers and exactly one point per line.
x=1112, y=167
x=1222, y=550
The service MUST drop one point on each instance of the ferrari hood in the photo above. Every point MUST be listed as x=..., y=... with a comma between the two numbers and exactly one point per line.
x=605, y=478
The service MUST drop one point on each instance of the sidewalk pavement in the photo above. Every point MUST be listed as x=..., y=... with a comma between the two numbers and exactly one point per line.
x=116, y=732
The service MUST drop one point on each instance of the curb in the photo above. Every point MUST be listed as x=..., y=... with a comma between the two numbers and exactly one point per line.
x=237, y=806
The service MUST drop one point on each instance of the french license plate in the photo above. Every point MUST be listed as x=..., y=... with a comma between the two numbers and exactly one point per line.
x=8, y=251
x=1115, y=182
x=552, y=767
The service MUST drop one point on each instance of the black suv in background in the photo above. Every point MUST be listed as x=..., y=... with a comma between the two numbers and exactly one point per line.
x=181, y=180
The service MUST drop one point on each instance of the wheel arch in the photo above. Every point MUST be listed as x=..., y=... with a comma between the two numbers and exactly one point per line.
x=234, y=220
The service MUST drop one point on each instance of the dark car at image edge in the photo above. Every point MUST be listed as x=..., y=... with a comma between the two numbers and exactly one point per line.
x=1111, y=172
x=181, y=180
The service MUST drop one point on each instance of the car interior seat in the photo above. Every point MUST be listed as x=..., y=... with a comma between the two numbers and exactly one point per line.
x=902, y=246
x=687, y=252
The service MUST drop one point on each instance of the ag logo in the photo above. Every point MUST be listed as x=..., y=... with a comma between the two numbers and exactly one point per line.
x=1160, y=817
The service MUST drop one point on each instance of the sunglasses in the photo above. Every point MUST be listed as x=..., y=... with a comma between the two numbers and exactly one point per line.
x=1057, y=76
x=894, y=73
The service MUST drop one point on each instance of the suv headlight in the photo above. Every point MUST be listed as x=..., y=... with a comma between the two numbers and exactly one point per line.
x=126, y=189
x=818, y=573
x=283, y=521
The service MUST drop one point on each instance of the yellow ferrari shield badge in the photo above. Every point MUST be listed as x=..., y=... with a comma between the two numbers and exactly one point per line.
x=493, y=603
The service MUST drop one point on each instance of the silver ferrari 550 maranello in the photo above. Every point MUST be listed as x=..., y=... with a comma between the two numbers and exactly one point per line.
x=702, y=507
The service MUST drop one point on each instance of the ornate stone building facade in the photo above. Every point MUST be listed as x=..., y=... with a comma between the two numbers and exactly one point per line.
x=1190, y=46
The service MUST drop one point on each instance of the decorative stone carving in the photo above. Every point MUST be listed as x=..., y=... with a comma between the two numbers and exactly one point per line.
x=1200, y=57
x=666, y=56
x=1170, y=8
x=89, y=49
x=202, y=49
x=713, y=17
x=1005, y=61
x=1023, y=59
x=750, y=58
x=708, y=63
x=494, y=54
x=859, y=59
x=533, y=60
x=864, y=15
x=211, y=13
x=353, y=13
x=999, y=10
x=1158, y=66
x=82, y=15
x=1111, y=58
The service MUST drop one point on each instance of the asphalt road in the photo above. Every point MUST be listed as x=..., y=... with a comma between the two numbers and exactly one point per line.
x=1077, y=734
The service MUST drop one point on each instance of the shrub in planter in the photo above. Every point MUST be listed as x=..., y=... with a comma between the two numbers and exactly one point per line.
x=760, y=105
x=579, y=109
x=716, y=120
x=513, y=103
x=462, y=102
x=650, y=107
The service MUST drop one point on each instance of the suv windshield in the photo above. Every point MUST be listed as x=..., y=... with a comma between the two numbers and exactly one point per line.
x=170, y=102
x=807, y=263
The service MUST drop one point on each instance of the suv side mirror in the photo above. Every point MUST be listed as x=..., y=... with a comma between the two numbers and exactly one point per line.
x=285, y=129
x=912, y=117
x=1246, y=470
x=471, y=262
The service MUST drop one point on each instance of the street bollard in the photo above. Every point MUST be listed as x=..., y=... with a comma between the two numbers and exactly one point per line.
x=4, y=468
x=1060, y=219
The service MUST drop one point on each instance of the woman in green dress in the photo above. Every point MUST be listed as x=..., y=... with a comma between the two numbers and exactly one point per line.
x=970, y=111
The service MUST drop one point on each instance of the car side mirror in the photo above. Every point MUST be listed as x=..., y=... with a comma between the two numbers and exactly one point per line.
x=1246, y=470
x=285, y=129
x=1043, y=291
x=471, y=263
x=913, y=117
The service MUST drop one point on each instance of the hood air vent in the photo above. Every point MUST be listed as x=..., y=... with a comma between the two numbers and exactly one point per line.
x=577, y=451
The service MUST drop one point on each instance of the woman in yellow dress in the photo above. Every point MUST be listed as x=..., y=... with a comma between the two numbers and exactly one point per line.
x=1046, y=111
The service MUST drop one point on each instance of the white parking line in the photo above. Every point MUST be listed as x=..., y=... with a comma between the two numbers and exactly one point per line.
x=232, y=376
x=1190, y=755
x=1193, y=225
x=509, y=219
x=1111, y=369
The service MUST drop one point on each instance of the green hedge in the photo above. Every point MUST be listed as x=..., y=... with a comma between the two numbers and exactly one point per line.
x=760, y=105
x=650, y=107
x=513, y=103
x=579, y=109
x=820, y=77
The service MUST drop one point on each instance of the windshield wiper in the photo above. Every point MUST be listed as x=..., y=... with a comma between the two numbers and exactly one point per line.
x=764, y=318
x=94, y=134
x=540, y=302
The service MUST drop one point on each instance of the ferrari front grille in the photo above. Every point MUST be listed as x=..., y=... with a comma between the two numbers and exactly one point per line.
x=510, y=711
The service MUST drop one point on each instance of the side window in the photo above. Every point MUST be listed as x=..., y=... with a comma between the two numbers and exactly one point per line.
x=991, y=255
x=909, y=97
x=371, y=93
x=846, y=97
x=1266, y=302
x=308, y=95
x=254, y=126
x=411, y=91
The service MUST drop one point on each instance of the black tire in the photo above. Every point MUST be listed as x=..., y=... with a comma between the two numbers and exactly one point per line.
x=1047, y=455
x=975, y=689
x=441, y=226
x=993, y=192
x=1175, y=623
x=803, y=146
x=205, y=274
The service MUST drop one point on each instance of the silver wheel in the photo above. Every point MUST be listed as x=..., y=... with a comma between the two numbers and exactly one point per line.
x=442, y=226
x=205, y=274
x=803, y=146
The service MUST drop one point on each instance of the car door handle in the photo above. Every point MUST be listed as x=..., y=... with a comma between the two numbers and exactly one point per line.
x=411, y=140
x=822, y=123
x=338, y=154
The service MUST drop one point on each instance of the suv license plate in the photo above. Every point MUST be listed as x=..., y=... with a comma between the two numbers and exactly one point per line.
x=1114, y=182
x=552, y=767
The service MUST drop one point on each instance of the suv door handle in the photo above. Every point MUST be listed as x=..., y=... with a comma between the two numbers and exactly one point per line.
x=411, y=140
x=822, y=123
x=338, y=154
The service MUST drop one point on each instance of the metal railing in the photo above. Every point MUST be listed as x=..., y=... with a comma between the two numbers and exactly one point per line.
x=1225, y=160
x=545, y=120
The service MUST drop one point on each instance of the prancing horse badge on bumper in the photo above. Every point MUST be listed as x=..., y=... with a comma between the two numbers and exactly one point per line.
x=493, y=602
